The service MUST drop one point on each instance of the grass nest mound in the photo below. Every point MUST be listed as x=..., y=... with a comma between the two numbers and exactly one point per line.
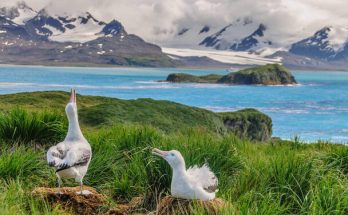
x=132, y=207
x=69, y=200
x=171, y=205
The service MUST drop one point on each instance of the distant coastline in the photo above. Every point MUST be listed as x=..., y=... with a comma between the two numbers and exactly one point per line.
x=107, y=66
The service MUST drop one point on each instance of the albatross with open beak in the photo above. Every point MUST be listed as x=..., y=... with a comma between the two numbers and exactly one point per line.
x=193, y=183
x=71, y=157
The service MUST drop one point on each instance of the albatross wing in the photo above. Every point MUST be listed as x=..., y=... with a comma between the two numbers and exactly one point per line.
x=78, y=157
x=204, y=177
x=55, y=155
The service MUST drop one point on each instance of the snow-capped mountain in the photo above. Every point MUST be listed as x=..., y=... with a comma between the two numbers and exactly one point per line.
x=80, y=28
x=10, y=30
x=328, y=43
x=30, y=37
x=191, y=36
x=19, y=14
x=326, y=48
x=241, y=35
x=66, y=28
x=249, y=35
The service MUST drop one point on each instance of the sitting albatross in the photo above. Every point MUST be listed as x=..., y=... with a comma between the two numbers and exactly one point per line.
x=193, y=183
x=71, y=157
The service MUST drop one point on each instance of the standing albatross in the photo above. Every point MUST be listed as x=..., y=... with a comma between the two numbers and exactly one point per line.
x=193, y=183
x=71, y=157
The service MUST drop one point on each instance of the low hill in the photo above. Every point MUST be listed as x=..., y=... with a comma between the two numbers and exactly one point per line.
x=269, y=74
x=164, y=115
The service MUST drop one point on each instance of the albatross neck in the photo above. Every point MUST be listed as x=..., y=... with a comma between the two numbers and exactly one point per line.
x=74, y=131
x=179, y=170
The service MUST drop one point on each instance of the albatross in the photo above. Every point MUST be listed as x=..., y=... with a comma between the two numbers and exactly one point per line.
x=193, y=183
x=71, y=157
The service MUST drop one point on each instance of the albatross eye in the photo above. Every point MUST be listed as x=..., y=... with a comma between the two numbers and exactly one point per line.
x=172, y=154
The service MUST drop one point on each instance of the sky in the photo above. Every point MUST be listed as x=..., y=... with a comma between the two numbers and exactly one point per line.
x=159, y=20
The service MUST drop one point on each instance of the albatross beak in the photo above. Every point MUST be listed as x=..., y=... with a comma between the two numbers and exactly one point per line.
x=73, y=96
x=160, y=153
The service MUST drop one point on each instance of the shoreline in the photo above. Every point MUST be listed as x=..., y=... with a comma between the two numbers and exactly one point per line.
x=104, y=66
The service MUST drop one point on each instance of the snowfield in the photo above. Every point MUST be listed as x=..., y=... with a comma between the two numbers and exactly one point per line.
x=337, y=38
x=230, y=57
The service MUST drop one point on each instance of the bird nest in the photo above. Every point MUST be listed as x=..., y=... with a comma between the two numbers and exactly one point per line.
x=68, y=199
x=171, y=205
x=132, y=207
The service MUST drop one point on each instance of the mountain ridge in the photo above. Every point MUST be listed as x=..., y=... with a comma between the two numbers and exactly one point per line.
x=40, y=37
x=326, y=48
x=46, y=39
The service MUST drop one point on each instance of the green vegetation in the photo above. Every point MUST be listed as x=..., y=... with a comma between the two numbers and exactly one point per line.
x=167, y=116
x=149, y=61
x=269, y=74
x=338, y=160
x=187, y=78
x=276, y=177
x=43, y=127
x=248, y=123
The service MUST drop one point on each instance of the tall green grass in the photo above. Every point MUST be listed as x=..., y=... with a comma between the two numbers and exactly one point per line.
x=21, y=126
x=283, y=177
x=125, y=154
x=15, y=198
x=338, y=159
x=290, y=178
x=329, y=195
x=22, y=162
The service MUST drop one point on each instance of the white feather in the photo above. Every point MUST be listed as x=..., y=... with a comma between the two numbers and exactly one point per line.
x=55, y=156
x=202, y=175
x=50, y=159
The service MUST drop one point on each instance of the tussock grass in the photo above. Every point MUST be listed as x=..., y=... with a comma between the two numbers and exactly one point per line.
x=329, y=195
x=15, y=198
x=338, y=159
x=125, y=153
x=21, y=162
x=290, y=178
x=282, y=177
x=21, y=126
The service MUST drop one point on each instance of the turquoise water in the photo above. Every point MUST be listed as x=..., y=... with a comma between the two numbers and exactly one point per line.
x=315, y=109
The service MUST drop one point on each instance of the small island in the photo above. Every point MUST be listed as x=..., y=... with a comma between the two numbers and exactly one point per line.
x=269, y=74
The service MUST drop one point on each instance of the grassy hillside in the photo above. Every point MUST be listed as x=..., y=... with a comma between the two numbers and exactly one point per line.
x=97, y=111
x=164, y=115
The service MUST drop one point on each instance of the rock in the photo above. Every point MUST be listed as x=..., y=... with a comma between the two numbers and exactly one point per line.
x=248, y=123
x=170, y=205
x=93, y=203
x=270, y=74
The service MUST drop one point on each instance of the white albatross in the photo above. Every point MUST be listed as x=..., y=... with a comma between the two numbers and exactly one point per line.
x=193, y=183
x=71, y=157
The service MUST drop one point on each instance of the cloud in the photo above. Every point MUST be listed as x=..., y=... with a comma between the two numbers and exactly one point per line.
x=160, y=20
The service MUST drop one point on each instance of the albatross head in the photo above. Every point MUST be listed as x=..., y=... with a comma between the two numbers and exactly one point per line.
x=173, y=157
x=71, y=108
